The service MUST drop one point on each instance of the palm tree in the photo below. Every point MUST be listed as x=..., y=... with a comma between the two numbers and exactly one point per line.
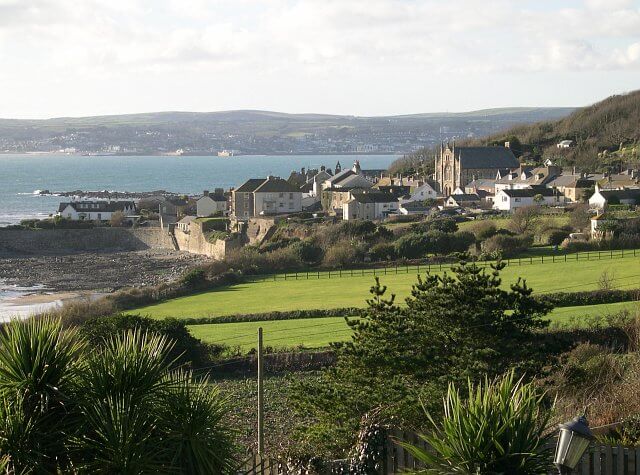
x=123, y=407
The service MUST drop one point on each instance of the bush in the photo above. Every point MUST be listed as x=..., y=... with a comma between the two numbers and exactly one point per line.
x=556, y=238
x=307, y=251
x=383, y=251
x=507, y=245
x=411, y=246
x=193, y=279
x=342, y=254
x=500, y=428
x=120, y=407
x=483, y=229
x=442, y=224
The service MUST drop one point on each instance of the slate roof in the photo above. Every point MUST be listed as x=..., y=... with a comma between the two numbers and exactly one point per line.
x=250, y=185
x=486, y=157
x=214, y=197
x=415, y=206
x=530, y=192
x=373, y=197
x=338, y=177
x=465, y=197
x=626, y=194
x=276, y=185
x=102, y=206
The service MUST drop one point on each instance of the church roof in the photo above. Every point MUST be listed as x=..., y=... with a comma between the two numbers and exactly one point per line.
x=486, y=157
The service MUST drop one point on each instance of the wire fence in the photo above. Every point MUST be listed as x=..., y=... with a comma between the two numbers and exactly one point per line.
x=439, y=267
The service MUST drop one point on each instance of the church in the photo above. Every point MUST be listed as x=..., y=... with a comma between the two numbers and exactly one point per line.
x=457, y=166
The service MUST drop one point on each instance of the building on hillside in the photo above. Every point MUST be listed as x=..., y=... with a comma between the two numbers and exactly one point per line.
x=210, y=204
x=511, y=199
x=602, y=198
x=601, y=226
x=177, y=206
x=370, y=205
x=463, y=200
x=421, y=193
x=565, y=144
x=526, y=177
x=184, y=224
x=575, y=187
x=487, y=185
x=410, y=208
x=95, y=210
x=266, y=197
x=457, y=166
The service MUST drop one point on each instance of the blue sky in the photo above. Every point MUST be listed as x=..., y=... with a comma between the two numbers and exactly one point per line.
x=361, y=57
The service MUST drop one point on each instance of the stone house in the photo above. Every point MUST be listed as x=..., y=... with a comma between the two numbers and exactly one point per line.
x=264, y=197
x=369, y=205
x=211, y=203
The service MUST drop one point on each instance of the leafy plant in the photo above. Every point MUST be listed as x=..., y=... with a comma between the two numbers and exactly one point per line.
x=500, y=428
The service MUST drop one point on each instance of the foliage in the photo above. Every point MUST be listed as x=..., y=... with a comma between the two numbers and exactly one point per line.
x=118, y=407
x=507, y=245
x=117, y=219
x=452, y=327
x=500, y=428
x=556, y=237
x=525, y=219
x=193, y=278
x=443, y=224
x=308, y=252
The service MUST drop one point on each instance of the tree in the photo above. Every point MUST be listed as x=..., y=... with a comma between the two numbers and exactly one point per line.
x=525, y=219
x=120, y=407
x=117, y=219
x=453, y=327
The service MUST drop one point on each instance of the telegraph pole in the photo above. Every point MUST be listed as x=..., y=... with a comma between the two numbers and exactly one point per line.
x=260, y=396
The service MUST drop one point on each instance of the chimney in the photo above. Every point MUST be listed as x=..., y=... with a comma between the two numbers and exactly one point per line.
x=205, y=193
x=219, y=191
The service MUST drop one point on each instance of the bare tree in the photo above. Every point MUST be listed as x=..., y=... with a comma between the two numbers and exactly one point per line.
x=525, y=220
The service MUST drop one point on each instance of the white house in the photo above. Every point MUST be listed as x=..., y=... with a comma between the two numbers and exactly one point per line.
x=421, y=193
x=565, y=144
x=94, y=210
x=509, y=200
x=209, y=204
x=462, y=200
x=408, y=208
x=369, y=205
x=601, y=198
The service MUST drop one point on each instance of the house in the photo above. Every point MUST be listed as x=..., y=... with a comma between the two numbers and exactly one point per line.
x=176, y=206
x=602, y=198
x=409, y=208
x=370, y=205
x=463, y=200
x=511, y=199
x=265, y=197
x=421, y=193
x=526, y=177
x=487, y=185
x=184, y=224
x=574, y=186
x=457, y=166
x=94, y=210
x=601, y=225
x=209, y=204
x=565, y=144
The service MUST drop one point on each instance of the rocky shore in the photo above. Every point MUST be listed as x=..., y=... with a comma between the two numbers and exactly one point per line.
x=107, y=194
x=99, y=272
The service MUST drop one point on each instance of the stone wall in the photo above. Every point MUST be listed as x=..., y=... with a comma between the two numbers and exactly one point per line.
x=63, y=241
x=258, y=229
x=195, y=242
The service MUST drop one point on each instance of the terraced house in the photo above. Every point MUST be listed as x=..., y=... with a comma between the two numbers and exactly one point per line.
x=266, y=197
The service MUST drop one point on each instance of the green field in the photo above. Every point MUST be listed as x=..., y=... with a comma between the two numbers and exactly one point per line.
x=267, y=295
x=319, y=332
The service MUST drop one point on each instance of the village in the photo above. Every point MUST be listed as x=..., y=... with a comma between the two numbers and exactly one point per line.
x=471, y=182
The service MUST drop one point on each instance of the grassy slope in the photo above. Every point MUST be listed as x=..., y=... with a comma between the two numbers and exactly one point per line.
x=319, y=332
x=325, y=293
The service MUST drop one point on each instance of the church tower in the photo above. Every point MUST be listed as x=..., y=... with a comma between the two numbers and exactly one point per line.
x=338, y=167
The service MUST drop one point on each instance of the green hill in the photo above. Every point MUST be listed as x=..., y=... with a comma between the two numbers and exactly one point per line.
x=605, y=136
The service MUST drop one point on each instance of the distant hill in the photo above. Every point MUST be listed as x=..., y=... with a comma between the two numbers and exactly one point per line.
x=259, y=132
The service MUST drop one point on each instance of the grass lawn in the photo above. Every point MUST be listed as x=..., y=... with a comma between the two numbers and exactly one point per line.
x=265, y=296
x=319, y=332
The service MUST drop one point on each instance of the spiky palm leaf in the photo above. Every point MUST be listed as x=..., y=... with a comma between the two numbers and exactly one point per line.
x=499, y=429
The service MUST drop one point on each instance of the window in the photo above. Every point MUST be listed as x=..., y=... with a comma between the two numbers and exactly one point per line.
x=290, y=196
x=281, y=195
x=99, y=217
x=290, y=204
x=517, y=200
x=504, y=198
x=281, y=205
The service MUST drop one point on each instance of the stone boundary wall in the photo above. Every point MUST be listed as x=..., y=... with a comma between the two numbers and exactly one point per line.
x=64, y=241
x=195, y=242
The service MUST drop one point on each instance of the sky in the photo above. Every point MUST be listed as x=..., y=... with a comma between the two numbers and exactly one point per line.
x=357, y=57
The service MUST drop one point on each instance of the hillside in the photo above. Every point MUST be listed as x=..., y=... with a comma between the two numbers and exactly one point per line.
x=257, y=132
x=605, y=135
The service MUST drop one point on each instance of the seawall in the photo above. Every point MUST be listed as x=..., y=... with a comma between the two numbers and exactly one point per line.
x=64, y=241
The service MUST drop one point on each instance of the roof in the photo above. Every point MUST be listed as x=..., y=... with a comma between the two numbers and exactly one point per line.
x=529, y=192
x=214, y=197
x=627, y=193
x=250, y=185
x=187, y=220
x=488, y=182
x=415, y=206
x=97, y=206
x=176, y=200
x=461, y=197
x=353, y=181
x=486, y=157
x=276, y=185
x=373, y=197
x=338, y=177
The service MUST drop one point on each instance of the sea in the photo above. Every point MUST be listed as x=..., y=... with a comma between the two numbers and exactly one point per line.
x=23, y=176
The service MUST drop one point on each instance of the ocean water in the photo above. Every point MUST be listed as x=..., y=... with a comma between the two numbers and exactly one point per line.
x=22, y=175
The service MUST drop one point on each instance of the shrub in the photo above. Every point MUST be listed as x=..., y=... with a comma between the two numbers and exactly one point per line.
x=193, y=278
x=411, y=246
x=342, y=253
x=556, y=238
x=500, y=428
x=443, y=224
x=383, y=251
x=307, y=251
x=483, y=229
x=507, y=245
x=119, y=407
